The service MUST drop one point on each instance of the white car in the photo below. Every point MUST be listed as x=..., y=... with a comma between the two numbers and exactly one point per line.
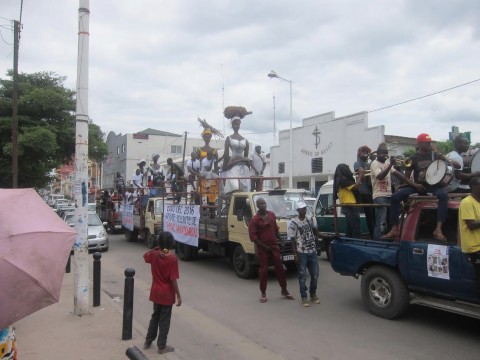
x=97, y=235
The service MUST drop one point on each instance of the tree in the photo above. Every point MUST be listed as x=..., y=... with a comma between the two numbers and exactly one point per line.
x=46, y=128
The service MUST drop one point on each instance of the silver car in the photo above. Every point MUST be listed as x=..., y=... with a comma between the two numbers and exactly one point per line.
x=97, y=235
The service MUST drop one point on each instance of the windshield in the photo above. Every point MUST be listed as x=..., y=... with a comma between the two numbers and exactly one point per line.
x=284, y=205
x=94, y=220
x=158, y=207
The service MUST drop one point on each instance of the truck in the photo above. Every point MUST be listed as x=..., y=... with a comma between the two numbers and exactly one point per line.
x=109, y=209
x=416, y=269
x=223, y=230
x=144, y=224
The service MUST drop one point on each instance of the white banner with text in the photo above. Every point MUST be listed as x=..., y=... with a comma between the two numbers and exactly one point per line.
x=182, y=221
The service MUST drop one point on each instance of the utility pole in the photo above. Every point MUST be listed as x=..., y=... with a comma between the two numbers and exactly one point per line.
x=80, y=259
x=16, y=38
x=184, y=149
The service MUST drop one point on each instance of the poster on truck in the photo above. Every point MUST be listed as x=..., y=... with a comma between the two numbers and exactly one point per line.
x=127, y=217
x=182, y=221
x=437, y=261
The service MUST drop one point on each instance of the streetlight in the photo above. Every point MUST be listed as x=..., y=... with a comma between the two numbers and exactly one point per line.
x=272, y=74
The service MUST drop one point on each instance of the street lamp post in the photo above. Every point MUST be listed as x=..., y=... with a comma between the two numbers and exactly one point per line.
x=272, y=74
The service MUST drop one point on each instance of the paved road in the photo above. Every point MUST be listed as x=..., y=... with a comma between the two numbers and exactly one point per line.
x=221, y=317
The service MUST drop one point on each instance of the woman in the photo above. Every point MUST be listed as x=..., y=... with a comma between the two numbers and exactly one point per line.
x=207, y=133
x=236, y=163
x=344, y=185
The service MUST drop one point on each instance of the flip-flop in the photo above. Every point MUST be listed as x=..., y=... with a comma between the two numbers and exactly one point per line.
x=390, y=236
x=263, y=300
x=439, y=237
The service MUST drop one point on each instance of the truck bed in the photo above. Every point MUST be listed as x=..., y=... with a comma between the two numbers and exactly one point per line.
x=350, y=256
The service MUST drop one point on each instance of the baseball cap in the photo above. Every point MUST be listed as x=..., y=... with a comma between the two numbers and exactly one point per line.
x=422, y=138
x=301, y=205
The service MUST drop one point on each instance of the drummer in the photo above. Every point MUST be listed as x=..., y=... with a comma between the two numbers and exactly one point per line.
x=420, y=162
x=461, y=178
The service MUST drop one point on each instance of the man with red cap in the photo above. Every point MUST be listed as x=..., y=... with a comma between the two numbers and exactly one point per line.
x=420, y=162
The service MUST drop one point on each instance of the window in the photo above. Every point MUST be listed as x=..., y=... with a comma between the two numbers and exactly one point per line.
x=123, y=148
x=176, y=149
x=428, y=221
x=195, y=149
x=317, y=165
x=118, y=150
x=281, y=168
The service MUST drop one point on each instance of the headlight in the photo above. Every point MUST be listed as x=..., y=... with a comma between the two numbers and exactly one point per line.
x=101, y=234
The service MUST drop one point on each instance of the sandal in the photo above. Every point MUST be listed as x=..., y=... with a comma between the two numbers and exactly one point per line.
x=390, y=236
x=263, y=300
x=439, y=237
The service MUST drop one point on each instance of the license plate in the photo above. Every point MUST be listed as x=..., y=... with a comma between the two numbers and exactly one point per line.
x=287, y=257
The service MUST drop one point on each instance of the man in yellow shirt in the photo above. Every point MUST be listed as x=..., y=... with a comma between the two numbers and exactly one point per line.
x=469, y=223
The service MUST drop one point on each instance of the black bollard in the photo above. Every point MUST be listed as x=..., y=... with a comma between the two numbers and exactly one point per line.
x=67, y=268
x=96, y=278
x=134, y=353
x=128, y=304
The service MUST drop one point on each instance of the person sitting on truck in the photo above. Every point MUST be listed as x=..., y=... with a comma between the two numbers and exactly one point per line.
x=258, y=163
x=119, y=183
x=461, y=178
x=207, y=169
x=364, y=195
x=193, y=168
x=157, y=176
x=469, y=219
x=264, y=232
x=420, y=162
x=344, y=187
x=176, y=179
x=381, y=170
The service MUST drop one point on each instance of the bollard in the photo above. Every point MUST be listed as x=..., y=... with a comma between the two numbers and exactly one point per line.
x=128, y=304
x=96, y=278
x=134, y=353
x=67, y=268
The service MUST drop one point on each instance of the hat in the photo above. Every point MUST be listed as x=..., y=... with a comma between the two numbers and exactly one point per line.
x=423, y=138
x=141, y=160
x=156, y=154
x=301, y=205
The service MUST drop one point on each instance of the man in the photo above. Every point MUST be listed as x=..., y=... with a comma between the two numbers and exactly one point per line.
x=469, y=225
x=302, y=232
x=175, y=175
x=258, y=163
x=207, y=169
x=461, y=178
x=264, y=232
x=381, y=188
x=365, y=189
x=193, y=168
x=119, y=183
x=420, y=162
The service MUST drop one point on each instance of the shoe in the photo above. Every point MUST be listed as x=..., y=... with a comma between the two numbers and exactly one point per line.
x=305, y=302
x=263, y=300
x=165, y=349
x=147, y=345
x=315, y=299
x=287, y=295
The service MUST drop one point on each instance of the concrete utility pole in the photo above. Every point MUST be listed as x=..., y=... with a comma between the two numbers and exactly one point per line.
x=16, y=40
x=80, y=259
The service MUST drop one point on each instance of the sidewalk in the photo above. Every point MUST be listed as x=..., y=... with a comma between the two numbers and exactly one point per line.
x=55, y=333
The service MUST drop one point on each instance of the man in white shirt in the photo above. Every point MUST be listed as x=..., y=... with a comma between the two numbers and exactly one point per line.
x=459, y=184
x=193, y=168
x=207, y=169
x=258, y=163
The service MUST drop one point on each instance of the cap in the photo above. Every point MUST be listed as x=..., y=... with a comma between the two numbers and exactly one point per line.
x=141, y=160
x=301, y=205
x=422, y=138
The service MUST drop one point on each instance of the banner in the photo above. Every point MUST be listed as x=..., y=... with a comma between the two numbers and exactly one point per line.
x=127, y=217
x=182, y=221
x=437, y=261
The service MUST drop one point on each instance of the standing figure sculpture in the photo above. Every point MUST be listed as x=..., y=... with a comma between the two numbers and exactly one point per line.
x=208, y=132
x=235, y=157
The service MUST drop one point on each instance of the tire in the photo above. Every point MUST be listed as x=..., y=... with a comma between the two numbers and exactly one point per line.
x=242, y=265
x=384, y=292
x=186, y=252
x=291, y=266
x=131, y=236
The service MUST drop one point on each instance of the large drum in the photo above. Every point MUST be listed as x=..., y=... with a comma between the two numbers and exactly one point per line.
x=471, y=160
x=439, y=173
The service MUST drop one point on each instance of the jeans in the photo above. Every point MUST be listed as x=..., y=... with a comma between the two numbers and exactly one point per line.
x=352, y=219
x=404, y=193
x=307, y=261
x=159, y=323
x=369, y=212
x=380, y=216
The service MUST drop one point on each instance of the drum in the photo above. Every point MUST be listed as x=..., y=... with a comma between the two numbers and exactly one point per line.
x=471, y=160
x=439, y=173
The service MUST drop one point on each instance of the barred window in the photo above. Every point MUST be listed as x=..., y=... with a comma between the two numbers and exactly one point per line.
x=317, y=165
x=281, y=168
x=176, y=149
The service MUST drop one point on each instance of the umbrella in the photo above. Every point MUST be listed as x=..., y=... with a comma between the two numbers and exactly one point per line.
x=34, y=248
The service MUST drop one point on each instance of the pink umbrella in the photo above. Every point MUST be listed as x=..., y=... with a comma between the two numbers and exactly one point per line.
x=34, y=248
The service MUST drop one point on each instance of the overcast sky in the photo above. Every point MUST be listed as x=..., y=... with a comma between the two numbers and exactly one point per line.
x=161, y=64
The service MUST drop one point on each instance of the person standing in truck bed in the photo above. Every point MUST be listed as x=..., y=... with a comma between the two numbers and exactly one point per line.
x=264, y=232
x=469, y=225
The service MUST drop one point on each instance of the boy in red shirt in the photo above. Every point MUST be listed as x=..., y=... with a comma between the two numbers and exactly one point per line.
x=164, y=267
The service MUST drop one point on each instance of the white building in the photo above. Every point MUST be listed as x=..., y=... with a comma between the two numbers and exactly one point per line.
x=126, y=150
x=322, y=143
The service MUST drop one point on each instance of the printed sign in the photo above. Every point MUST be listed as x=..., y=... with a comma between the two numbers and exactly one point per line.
x=182, y=221
x=127, y=217
x=437, y=261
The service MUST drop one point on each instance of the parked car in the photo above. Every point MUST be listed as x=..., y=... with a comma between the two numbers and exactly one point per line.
x=97, y=235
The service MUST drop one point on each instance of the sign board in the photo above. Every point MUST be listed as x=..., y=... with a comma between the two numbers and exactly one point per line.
x=183, y=222
x=127, y=217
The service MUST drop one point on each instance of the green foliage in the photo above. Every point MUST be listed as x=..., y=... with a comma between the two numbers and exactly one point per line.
x=408, y=153
x=444, y=147
x=46, y=128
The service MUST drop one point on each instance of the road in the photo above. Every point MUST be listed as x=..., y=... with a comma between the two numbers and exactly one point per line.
x=221, y=317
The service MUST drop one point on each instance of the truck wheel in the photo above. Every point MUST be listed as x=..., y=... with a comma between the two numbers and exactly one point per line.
x=384, y=292
x=186, y=252
x=128, y=235
x=242, y=265
x=151, y=240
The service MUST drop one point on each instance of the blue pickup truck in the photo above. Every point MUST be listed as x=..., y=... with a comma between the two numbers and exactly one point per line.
x=417, y=269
